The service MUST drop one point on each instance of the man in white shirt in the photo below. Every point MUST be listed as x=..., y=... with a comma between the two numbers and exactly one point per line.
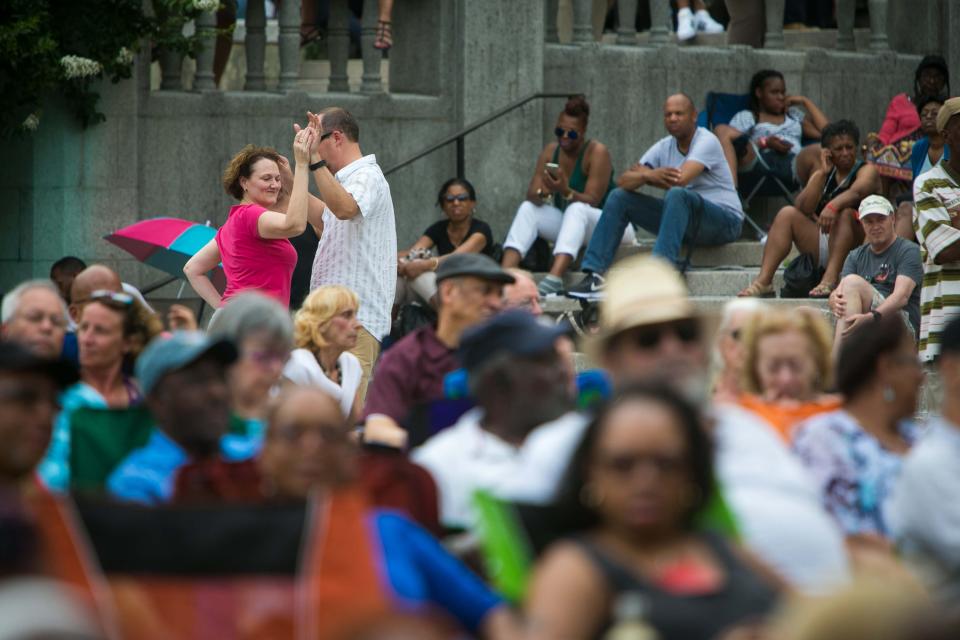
x=518, y=440
x=925, y=510
x=358, y=238
x=700, y=206
x=652, y=331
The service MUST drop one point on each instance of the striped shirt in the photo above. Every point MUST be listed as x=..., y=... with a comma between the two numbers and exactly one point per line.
x=936, y=196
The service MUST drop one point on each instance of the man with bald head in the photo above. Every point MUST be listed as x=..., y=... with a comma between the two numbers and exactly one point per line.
x=96, y=277
x=700, y=206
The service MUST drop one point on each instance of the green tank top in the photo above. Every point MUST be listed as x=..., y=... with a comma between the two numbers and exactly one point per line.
x=578, y=180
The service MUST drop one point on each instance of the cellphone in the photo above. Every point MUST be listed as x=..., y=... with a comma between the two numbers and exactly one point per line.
x=552, y=168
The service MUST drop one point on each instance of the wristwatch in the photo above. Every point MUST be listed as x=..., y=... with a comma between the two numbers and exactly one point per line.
x=319, y=164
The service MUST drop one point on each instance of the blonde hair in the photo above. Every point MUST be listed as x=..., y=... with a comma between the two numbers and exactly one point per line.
x=241, y=165
x=317, y=311
x=806, y=320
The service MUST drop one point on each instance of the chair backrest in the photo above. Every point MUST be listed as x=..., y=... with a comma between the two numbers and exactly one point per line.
x=721, y=107
x=100, y=439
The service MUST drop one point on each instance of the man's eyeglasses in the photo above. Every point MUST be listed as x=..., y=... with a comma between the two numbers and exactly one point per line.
x=324, y=136
x=463, y=197
x=572, y=134
x=686, y=331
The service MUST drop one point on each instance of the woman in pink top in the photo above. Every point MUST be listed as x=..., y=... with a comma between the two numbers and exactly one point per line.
x=253, y=244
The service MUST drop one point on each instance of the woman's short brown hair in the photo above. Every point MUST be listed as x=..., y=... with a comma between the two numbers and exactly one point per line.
x=242, y=163
x=806, y=320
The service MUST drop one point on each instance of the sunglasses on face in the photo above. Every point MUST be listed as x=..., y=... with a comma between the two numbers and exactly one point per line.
x=463, y=197
x=572, y=134
x=650, y=337
x=324, y=136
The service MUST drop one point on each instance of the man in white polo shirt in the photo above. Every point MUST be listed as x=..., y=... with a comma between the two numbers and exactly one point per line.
x=358, y=240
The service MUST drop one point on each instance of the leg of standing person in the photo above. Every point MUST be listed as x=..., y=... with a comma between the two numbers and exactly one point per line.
x=384, y=35
x=367, y=351
x=226, y=18
x=747, y=22
x=905, y=221
x=530, y=221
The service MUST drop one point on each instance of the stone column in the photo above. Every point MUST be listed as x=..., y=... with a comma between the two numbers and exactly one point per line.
x=170, y=66
x=582, y=21
x=256, y=44
x=206, y=30
x=845, y=14
x=659, y=23
x=289, y=44
x=370, y=82
x=338, y=45
x=627, y=31
x=773, y=38
x=551, y=8
x=878, y=25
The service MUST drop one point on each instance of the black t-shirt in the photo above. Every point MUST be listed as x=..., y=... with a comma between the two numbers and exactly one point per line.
x=438, y=233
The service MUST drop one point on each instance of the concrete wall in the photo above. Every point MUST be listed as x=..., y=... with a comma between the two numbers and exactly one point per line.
x=161, y=153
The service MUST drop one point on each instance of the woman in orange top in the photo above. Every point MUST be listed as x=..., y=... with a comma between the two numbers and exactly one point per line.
x=788, y=367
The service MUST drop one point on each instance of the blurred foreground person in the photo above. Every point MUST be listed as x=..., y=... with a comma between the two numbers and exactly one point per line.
x=633, y=490
x=728, y=352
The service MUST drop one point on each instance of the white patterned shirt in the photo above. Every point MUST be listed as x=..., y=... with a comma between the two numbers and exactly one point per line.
x=936, y=196
x=361, y=253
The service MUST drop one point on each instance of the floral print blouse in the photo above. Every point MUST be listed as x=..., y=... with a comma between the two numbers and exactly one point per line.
x=854, y=474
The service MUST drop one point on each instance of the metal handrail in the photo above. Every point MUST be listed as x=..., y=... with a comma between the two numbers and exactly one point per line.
x=459, y=135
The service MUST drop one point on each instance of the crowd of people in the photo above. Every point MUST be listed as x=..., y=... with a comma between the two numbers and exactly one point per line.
x=275, y=474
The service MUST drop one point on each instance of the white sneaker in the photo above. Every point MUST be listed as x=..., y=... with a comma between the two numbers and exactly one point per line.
x=706, y=23
x=686, y=27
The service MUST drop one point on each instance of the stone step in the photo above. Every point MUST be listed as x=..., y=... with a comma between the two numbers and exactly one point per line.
x=710, y=305
x=702, y=282
x=742, y=253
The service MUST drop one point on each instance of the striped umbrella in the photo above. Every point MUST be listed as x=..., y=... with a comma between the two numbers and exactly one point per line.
x=167, y=244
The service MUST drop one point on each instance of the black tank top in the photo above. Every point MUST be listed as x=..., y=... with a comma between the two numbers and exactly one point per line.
x=744, y=597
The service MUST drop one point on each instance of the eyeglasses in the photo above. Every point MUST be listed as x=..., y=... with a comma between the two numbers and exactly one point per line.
x=324, y=136
x=649, y=337
x=463, y=197
x=625, y=463
x=735, y=334
x=572, y=134
x=37, y=317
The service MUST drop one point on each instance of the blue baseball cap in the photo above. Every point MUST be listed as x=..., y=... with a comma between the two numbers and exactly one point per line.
x=515, y=332
x=166, y=354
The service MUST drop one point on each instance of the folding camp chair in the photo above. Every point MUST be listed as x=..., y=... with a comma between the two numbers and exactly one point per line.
x=763, y=181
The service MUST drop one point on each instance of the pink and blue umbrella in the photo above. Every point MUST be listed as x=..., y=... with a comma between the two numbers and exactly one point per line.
x=167, y=244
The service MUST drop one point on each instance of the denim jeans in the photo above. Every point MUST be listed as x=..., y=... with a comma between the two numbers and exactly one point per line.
x=670, y=219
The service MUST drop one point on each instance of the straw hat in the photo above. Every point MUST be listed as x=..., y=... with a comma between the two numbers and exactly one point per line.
x=640, y=290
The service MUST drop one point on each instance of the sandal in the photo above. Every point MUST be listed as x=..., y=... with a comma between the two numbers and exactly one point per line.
x=757, y=290
x=822, y=290
x=384, y=35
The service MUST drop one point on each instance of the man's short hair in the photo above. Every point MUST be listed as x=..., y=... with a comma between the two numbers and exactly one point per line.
x=68, y=264
x=840, y=128
x=11, y=301
x=339, y=119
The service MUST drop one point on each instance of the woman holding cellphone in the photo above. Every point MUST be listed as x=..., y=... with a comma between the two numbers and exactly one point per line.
x=565, y=197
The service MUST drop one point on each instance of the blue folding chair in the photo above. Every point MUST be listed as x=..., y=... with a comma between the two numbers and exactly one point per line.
x=763, y=181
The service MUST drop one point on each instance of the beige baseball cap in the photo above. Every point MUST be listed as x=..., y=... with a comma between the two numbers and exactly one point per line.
x=949, y=109
x=874, y=205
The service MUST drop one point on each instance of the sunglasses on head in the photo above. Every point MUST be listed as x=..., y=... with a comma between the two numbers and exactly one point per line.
x=111, y=297
x=686, y=331
x=572, y=134
x=463, y=197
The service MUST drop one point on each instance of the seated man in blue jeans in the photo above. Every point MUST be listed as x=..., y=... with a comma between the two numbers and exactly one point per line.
x=701, y=205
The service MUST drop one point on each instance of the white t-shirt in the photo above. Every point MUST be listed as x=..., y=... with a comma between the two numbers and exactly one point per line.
x=361, y=253
x=790, y=130
x=776, y=503
x=715, y=183
x=466, y=457
x=303, y=369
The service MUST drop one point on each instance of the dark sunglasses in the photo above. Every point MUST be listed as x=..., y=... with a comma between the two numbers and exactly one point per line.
x=572, y=134
x=324, y=136
x=463, y=197
x=686, y=331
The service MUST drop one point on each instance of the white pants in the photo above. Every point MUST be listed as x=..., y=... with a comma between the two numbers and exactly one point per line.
x=569, y=230
x=420, y=289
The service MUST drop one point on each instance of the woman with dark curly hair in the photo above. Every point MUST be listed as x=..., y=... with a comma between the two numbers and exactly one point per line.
x=565, y=198
x=634, y=488
x=253, y=244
